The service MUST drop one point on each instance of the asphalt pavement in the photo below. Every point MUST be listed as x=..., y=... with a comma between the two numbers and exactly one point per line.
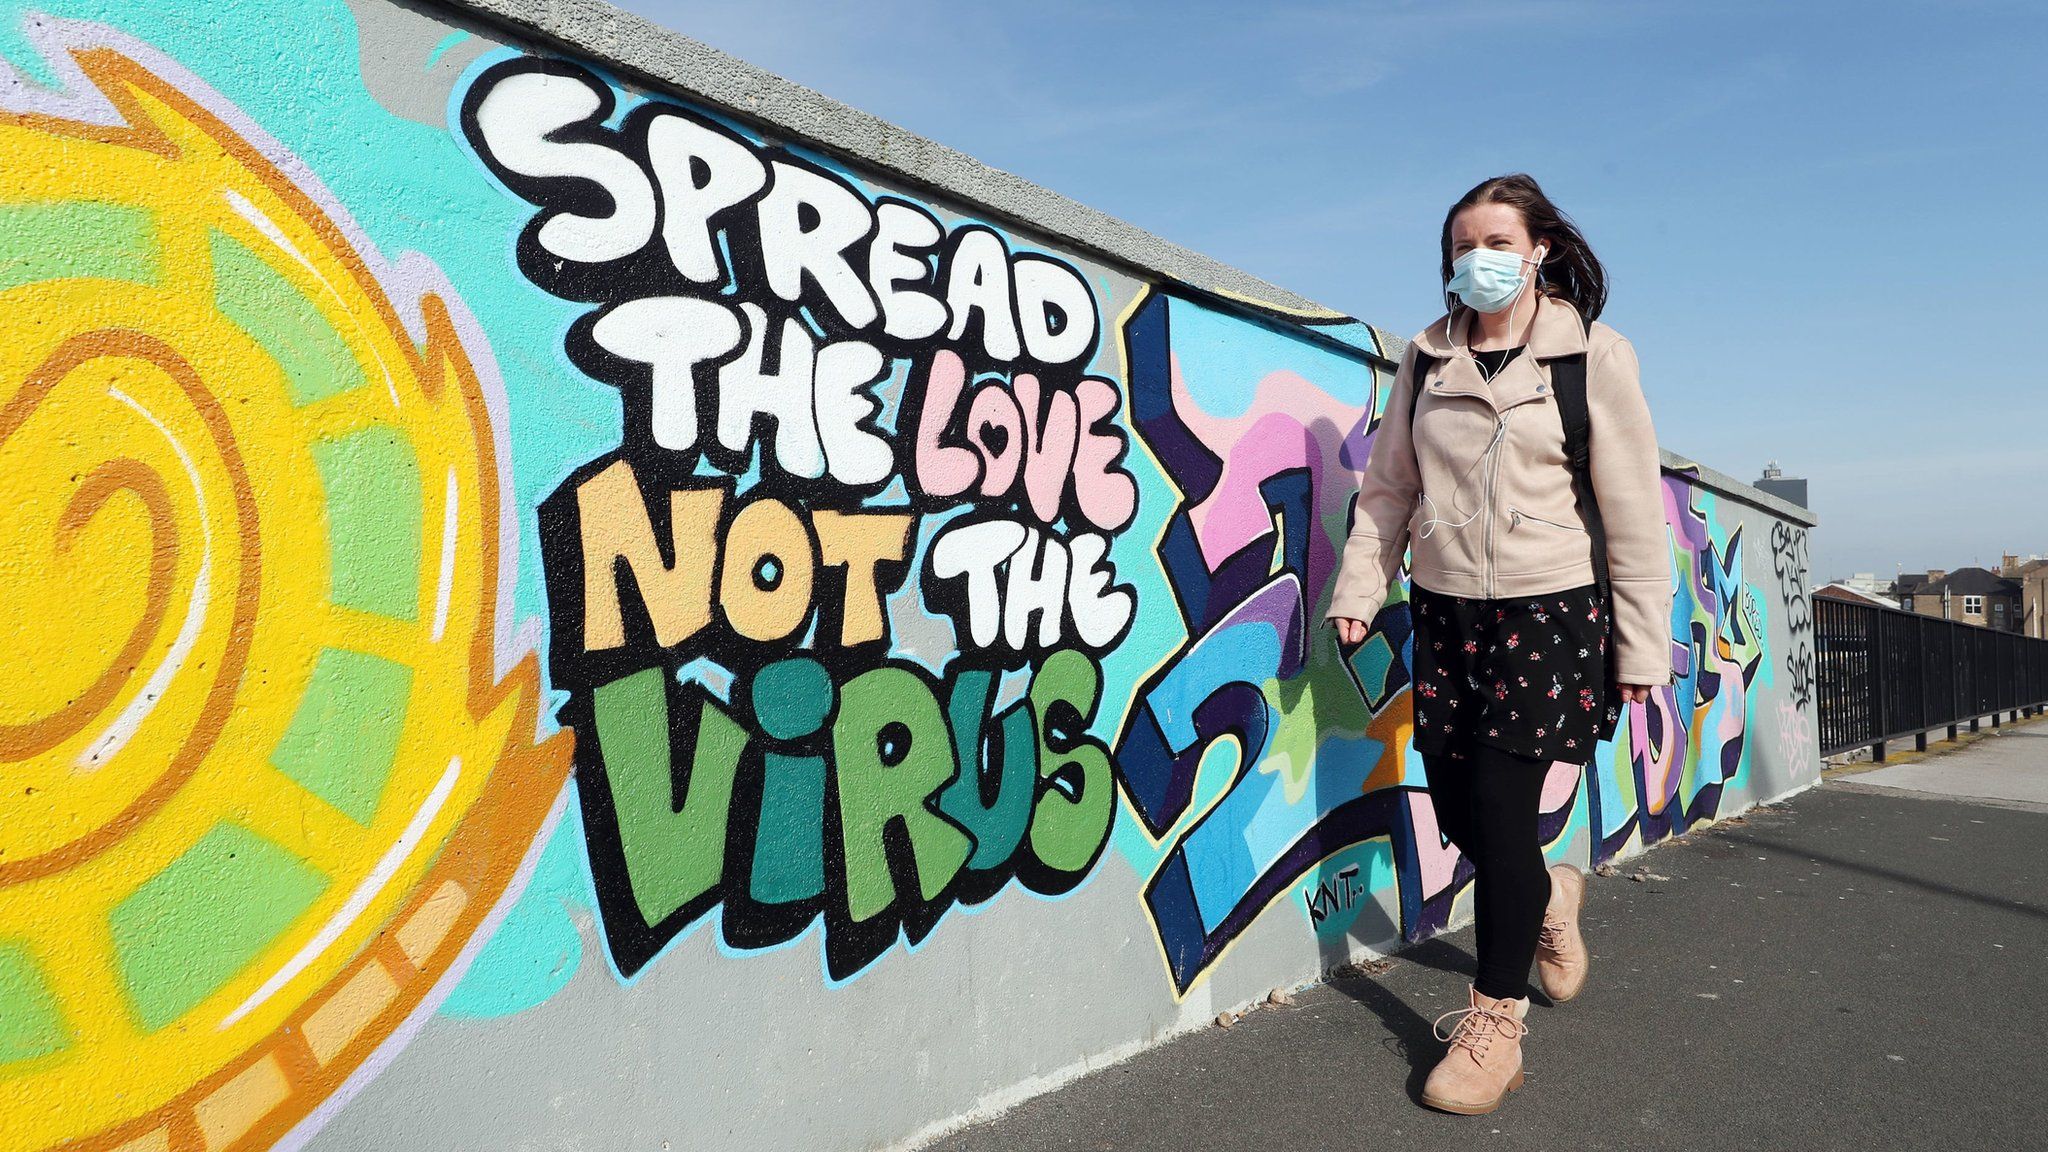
x=1859, y=967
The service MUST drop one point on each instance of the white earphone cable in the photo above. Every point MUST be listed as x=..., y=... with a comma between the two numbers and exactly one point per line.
x=1430, y=522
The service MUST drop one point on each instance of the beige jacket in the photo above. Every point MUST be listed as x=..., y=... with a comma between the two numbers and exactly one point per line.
x=1493, y=451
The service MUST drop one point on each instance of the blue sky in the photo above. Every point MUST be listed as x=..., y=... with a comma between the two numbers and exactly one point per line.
x=1826, y=224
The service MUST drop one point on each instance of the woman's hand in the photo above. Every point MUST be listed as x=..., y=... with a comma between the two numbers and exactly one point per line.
x=1635, y=693
x=1350, y=632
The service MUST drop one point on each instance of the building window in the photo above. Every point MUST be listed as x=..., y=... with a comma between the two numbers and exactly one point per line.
x=1973, y=605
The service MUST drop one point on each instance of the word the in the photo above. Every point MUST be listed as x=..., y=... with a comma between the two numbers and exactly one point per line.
x=1012, y=573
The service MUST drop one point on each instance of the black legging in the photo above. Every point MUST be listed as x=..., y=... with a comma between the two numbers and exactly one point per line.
x=1486, y=801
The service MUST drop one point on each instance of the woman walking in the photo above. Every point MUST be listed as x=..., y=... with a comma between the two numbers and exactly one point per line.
x=1540, y=594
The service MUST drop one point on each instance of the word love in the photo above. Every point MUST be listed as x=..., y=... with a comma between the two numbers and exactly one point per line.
x=1041, y=441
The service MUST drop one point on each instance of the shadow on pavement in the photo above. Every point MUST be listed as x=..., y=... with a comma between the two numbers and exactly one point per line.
x=1410, y=1036
x=1892, y=874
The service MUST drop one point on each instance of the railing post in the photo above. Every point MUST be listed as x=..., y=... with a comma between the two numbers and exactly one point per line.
x=1880, y=664
x=1955, y=682
x=1997, y=681
x=1976, y=689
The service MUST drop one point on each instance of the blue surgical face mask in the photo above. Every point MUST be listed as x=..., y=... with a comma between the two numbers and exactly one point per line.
x=1488, y=280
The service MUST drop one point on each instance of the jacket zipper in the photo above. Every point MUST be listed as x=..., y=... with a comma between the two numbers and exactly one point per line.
x=1492, y=472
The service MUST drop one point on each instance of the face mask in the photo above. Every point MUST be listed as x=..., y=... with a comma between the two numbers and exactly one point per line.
x=1488, y=280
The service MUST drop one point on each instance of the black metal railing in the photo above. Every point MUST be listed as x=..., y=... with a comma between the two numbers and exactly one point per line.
x=1882, y=673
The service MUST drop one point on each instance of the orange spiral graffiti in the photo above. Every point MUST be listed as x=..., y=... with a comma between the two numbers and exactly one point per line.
x=21, y=741
x=268, y=783
x=122, y=474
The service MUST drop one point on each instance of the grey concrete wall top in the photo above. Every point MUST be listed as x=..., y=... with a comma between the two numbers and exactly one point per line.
x=1729, y=486
x=640, y=48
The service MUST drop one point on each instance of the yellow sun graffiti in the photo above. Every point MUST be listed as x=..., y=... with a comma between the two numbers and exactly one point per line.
x=262, y=779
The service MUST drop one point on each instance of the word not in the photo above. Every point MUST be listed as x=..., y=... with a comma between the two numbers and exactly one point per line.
x=755, y=564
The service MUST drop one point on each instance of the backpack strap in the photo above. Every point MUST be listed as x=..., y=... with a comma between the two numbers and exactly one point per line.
x=1568, y=383
x=1423, y=363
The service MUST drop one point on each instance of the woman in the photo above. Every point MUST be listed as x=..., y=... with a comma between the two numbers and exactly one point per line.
x=1512, y=665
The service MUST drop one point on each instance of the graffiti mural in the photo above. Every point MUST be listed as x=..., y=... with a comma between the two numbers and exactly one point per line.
x=752, y=736
x=1262, y=475
x=1265, y=457
x=1795, y=596
x=529, y=600
x=268, y=773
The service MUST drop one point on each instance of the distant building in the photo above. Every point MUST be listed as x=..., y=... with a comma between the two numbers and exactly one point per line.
x=2033, y=578
x=1790, y=488
x=1967, y=595
x=2011, y=565
x=1905, y=584
x=2032, y=574
x=1845, y=590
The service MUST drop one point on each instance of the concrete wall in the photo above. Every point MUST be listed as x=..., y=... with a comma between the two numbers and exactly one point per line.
x=544, y=613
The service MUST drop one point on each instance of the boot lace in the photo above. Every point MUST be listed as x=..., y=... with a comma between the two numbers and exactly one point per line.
x=1551, y=936
x=1478, y=1028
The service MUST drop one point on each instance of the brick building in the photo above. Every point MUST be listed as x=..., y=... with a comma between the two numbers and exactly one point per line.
x=2033, y=578
x=1969, y=595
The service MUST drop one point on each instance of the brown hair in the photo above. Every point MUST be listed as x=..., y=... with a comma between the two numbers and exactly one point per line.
x=1570, y=271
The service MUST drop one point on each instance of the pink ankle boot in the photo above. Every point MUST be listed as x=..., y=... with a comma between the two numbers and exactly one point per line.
x=1561, y=955
x=1484, y=1061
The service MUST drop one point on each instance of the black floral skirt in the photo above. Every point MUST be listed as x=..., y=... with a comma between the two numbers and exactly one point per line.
x=1527, y=674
